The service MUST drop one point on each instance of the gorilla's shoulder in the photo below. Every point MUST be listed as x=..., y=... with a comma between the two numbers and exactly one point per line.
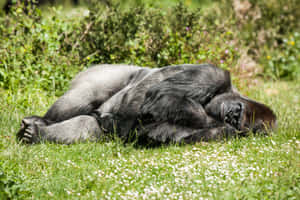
x=206, y=71
x=197, y=67
x=191, y=66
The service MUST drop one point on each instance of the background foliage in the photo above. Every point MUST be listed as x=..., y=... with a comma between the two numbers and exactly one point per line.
x=44, y=49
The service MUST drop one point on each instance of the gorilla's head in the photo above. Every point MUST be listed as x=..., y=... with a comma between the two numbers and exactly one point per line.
x=242, y=113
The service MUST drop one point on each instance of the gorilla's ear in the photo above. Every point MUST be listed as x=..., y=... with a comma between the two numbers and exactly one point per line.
x=259, y=117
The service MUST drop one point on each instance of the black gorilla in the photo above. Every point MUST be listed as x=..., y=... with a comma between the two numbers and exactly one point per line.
x=183, y=103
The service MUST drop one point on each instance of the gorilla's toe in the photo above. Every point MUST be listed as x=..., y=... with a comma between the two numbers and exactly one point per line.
x=27, y=133
x=27, y=121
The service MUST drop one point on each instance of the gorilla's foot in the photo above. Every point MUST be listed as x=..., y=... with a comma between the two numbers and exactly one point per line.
x=29, y=131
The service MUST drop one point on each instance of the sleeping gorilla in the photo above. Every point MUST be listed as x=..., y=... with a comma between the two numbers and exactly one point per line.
x=183, y=103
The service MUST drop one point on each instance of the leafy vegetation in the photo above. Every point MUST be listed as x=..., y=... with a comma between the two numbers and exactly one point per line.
x=34, y=52
x=45, y=51
x=148, y=36
x=270, y=31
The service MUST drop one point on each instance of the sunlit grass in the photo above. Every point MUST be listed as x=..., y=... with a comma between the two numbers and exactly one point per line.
x=256, y=167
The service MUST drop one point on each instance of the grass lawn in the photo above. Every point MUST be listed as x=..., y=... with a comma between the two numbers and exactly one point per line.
x=248, y=168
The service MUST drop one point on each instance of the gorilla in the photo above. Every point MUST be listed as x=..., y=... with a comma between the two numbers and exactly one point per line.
x=174, y=104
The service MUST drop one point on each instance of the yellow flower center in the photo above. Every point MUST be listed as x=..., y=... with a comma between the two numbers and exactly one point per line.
x=292, y=43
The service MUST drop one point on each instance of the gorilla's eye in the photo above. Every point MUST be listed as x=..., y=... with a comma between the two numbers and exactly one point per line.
x=233, y=114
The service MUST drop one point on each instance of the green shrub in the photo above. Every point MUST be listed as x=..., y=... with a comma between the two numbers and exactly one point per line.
x=266, y=27
x=34, y=50
x=147, y=35
x=284, y=61
x=45, y=51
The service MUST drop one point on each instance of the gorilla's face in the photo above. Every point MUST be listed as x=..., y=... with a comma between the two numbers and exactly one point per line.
x=242, y=113
x=232, y=112
x=227, y=108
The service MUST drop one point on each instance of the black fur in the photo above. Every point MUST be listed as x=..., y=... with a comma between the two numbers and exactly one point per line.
x=183, y=103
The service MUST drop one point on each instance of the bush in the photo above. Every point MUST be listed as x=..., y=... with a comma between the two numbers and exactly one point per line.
x=147, y=35
x=45, y=51
x=267, y=28
x=34, y=50
x=284, y=61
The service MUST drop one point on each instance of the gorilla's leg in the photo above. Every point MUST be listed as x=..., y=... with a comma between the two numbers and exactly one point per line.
x=77, y=101
x=89, y=90
x=77, y=129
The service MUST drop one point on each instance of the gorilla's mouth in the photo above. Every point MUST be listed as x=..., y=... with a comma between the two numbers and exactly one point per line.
x=232, y=114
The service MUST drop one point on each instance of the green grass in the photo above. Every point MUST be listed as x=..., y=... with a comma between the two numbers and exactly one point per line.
x=247, y=168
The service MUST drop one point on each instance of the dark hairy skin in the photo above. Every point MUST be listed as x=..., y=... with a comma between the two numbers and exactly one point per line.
x=181, y=104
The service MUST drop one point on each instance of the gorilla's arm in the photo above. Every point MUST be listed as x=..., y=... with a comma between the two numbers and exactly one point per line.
x=88, y=91
x=176, y=109
x=158, y=133
x=180, y=99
